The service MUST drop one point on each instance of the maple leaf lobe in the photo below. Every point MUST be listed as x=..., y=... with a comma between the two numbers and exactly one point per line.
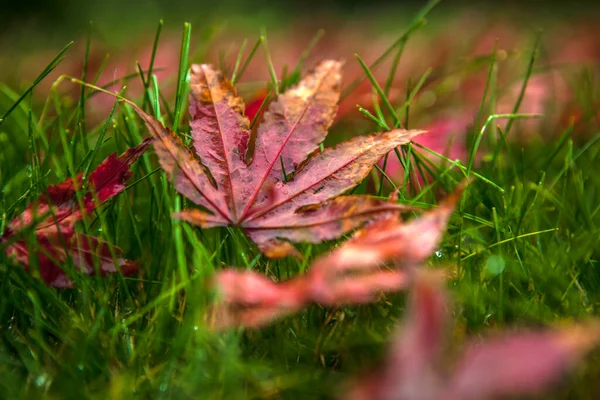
x=298, y=120
x=220, y=132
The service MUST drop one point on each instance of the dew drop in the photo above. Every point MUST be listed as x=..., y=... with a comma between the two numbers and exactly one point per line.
x=439, y=254
x=41, y=380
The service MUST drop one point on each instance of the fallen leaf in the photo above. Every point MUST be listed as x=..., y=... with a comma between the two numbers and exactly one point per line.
x=354, y=273
x=289, y=190
x=408, y=371
x=390, y=238
x=53, y=216
x=518, y=364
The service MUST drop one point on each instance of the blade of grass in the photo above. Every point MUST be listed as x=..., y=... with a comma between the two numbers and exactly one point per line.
x=35, y=162
x=155, y=100
x=532, y=59
x=491, y=119
x=82, y=119
x=373, y=118
x=390, y=79
x=272, y=72
x=460, y=165
x=152, y=59
x=99, y=142
x=409, y=97
x=416, y=23
x=402, y=110
x=380, y=91
x=486, y=88
x=260, y=109
x=238, y=60
x=145, y=83
x=248, y=59
x=49, y=68
x=182, y=76
x=524, y=235
x=305, y=53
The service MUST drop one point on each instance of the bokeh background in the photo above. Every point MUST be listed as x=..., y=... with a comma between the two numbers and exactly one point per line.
x=450, y=55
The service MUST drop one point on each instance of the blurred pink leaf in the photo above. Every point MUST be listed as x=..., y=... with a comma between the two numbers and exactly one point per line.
x=513, y=365
x=352, y=274
x=524, y=364
x=409, y=370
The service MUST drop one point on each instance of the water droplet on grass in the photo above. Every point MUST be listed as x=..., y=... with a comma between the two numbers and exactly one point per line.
x=495, y=265
x=41, y=380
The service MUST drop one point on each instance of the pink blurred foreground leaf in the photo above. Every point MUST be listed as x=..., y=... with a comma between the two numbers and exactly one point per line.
x=53, y=216
x=525, y=364
x=352, y=274
x=289, y=191
x=513, y=365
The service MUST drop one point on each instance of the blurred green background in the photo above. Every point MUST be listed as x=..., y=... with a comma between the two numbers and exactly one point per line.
x=58, y=19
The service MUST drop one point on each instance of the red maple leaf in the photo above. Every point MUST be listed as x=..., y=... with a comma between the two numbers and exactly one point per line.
x=290, y=190
x=52, y=217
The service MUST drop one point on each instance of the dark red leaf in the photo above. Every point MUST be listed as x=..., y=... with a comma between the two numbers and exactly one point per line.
x=53, y=216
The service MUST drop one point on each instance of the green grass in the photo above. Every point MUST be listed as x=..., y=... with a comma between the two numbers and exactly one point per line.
x=525, y=242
